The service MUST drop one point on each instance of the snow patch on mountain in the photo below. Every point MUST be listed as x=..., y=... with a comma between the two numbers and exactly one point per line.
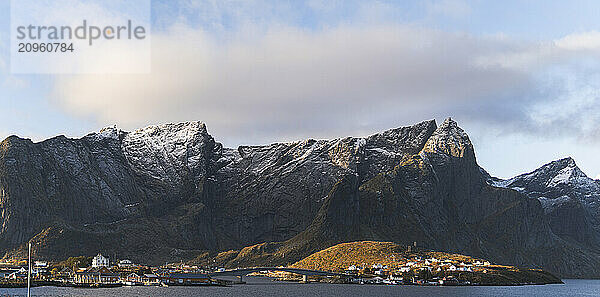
x=110, y=132
x=550, y=204
x=169, y=152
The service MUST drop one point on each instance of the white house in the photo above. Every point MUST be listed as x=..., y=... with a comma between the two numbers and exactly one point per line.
x=431, y=261
x=395, y=277
x=125, y=263
x=100, y=261
x=41, y=264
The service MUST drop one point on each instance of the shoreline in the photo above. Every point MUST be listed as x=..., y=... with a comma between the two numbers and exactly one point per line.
x=223, y=283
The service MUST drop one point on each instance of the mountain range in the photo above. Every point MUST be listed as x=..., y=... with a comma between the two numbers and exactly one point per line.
x=171, y=192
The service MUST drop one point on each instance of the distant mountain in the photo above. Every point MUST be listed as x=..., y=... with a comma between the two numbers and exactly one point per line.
x=570, y=199
x=171, y=192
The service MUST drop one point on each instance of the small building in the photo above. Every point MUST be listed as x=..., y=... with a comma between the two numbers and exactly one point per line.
x=125, y=263
x=187, y=279
x=65, y=275
x=404, y=269
x=395, y=277
x=150, y=279
x=96, y=275
x=375, y=280
x=352, y=270
x=16, y=274
x=133, y=278
x=431, y=261
x=100, y=261
x=40, y=264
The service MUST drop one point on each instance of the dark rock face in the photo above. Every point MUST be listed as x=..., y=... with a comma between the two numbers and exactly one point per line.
x=111, y=191
x=170, y=192
x=271, y=193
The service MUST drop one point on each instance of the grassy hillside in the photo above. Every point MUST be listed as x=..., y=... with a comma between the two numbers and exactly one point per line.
x=367, y=253
x=364, y=254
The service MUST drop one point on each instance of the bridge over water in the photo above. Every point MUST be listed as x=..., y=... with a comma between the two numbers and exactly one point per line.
x=245, y=271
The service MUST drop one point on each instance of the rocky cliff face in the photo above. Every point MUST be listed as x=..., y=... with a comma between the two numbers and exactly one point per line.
x=271, y=193
x=171, y=192
x=108, y=191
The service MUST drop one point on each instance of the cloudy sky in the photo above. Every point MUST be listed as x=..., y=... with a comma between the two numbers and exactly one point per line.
x=522, y=77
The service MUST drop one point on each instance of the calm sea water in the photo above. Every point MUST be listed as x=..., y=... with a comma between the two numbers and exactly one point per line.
x=264, y=288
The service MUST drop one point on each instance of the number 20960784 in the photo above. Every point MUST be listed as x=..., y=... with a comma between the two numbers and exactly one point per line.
x=54, y=47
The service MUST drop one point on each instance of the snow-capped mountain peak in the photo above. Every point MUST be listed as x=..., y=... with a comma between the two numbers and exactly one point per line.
x=450, y=139
x=570, y=173
x=557, y=173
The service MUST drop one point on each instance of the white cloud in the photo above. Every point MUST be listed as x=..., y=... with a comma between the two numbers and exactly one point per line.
x=566, y=74
x=580, y=41
x=285, y=83
x=291, y=83
x=531, y=56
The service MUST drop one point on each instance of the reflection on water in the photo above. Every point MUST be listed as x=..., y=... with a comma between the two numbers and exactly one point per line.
x=264, y=287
